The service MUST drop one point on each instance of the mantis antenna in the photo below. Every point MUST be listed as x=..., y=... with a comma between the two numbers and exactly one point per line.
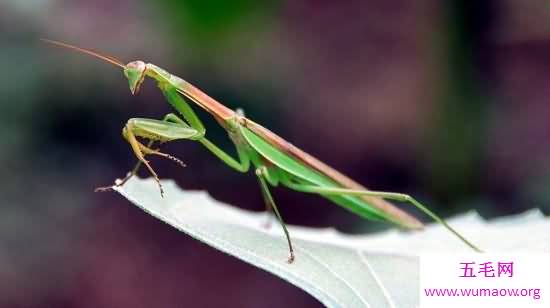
x=106, y=58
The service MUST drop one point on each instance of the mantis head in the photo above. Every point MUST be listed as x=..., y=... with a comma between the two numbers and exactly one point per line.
x=135, y=72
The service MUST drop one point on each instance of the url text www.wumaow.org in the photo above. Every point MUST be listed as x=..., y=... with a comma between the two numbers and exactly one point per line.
x=484, y=280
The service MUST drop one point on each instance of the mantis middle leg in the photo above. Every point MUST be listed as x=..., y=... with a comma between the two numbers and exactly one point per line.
x=261, y=173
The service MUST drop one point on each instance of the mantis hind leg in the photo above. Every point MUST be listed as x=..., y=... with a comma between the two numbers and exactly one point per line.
x=261, y=173
x=307, y=188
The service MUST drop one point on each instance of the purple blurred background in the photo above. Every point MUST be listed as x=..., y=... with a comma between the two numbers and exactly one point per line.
x=444, y=100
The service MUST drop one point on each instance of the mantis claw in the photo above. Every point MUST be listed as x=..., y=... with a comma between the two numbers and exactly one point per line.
x=290, y=258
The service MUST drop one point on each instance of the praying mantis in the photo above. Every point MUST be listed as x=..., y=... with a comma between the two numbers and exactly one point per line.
x=275, y=161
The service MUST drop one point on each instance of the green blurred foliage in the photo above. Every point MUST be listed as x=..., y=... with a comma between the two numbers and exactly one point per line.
x=207, y=22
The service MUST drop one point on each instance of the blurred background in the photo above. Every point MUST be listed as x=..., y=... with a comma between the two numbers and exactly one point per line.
x=444, y=100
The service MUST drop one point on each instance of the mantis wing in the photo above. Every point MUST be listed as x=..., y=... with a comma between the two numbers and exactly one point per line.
x=370, y=208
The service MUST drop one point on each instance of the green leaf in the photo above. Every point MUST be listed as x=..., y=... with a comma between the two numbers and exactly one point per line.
x=378, y=270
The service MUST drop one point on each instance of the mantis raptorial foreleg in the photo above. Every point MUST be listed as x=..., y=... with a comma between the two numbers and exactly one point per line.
x=172, y=128
x=307, y=188
x=174, y=98
x=154, y=130
x=167, y=118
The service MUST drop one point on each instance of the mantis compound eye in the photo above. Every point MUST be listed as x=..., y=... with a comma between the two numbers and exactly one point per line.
x=135, y=72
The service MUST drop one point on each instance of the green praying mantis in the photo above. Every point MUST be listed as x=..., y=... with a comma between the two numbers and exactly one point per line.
x=275, y=160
